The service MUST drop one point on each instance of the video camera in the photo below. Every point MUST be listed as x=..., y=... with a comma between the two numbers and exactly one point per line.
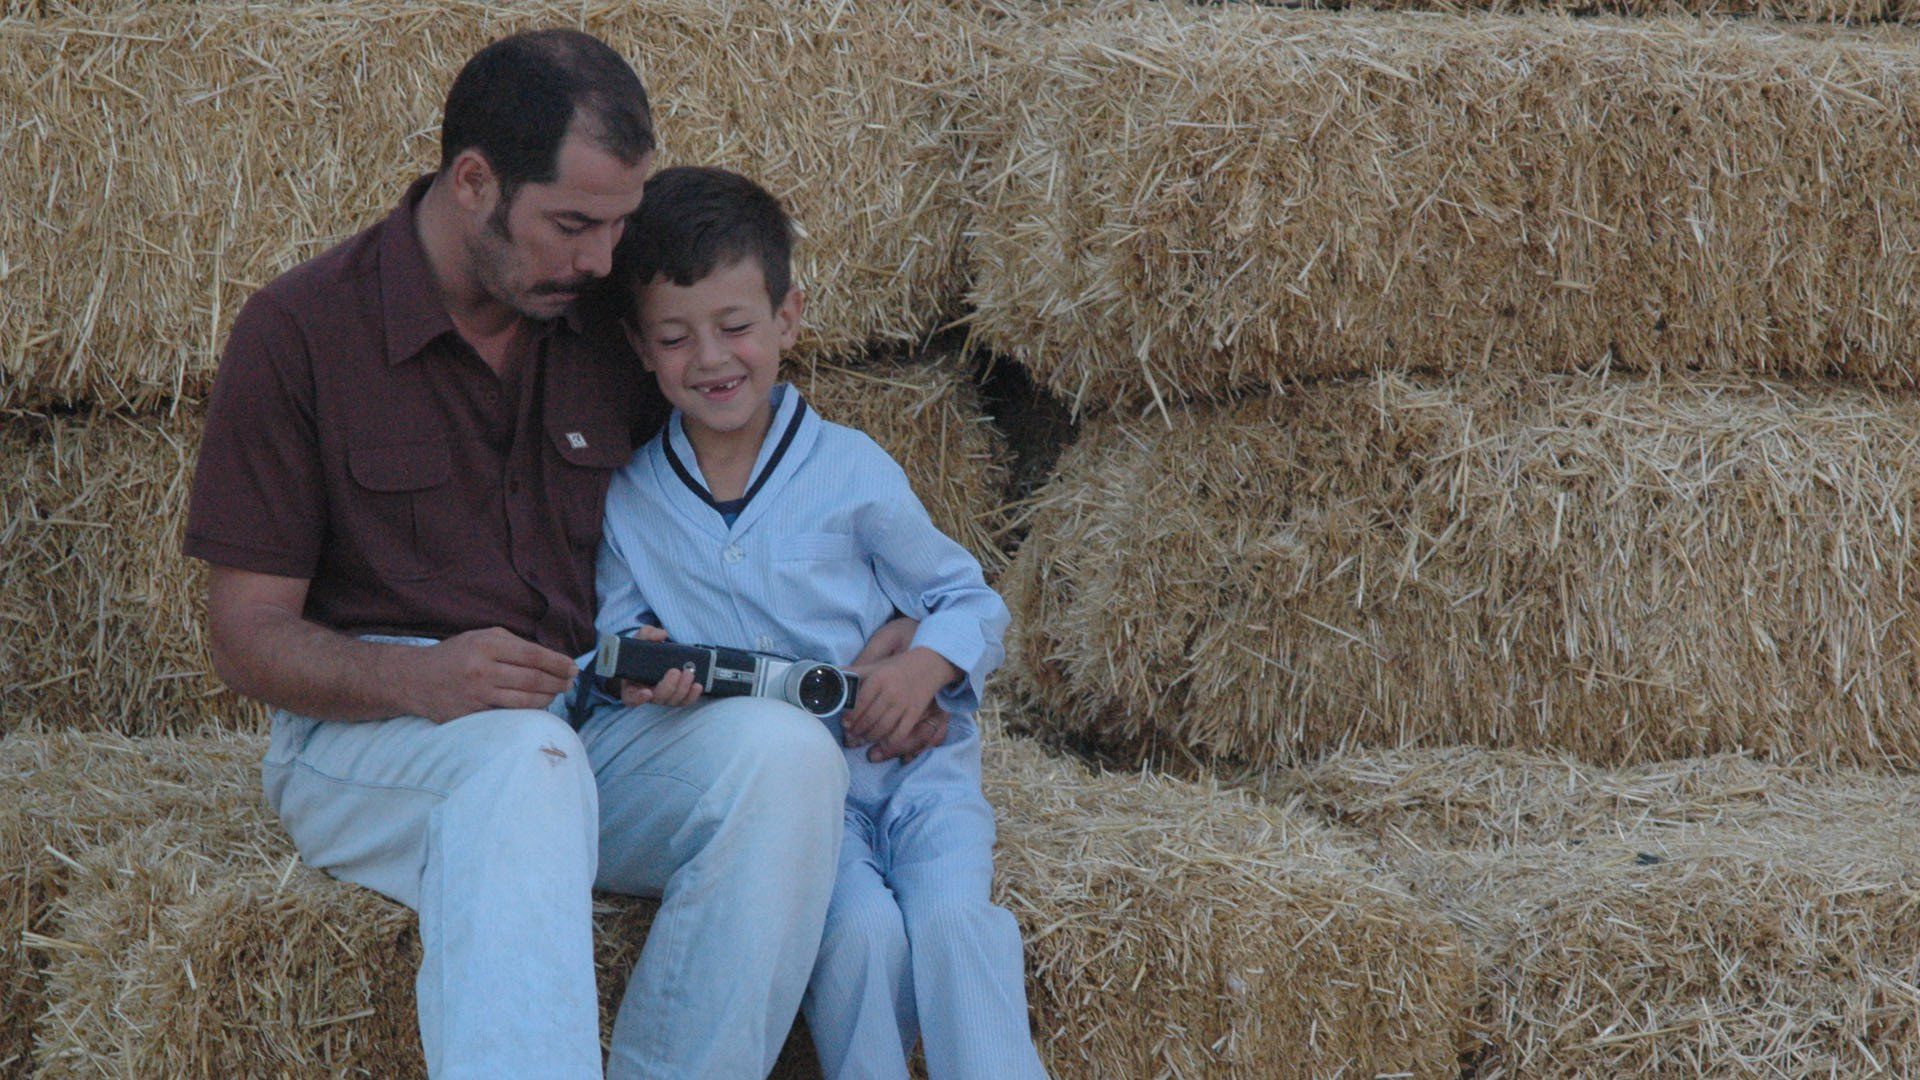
x=815, y=687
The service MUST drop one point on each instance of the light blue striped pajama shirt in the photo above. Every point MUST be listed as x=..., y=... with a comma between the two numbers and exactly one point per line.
x=831, y=543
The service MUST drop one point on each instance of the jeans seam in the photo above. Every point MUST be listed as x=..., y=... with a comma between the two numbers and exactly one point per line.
x=415, y=788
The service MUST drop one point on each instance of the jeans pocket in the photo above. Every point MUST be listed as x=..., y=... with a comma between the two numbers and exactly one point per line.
x=289, y=737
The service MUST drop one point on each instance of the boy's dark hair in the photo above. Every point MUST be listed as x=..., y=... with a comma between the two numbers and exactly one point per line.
x=694, y=220
x=516, y=99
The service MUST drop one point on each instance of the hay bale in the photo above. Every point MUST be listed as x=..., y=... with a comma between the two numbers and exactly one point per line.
x=1177, y=929
x=177, y=157
x=68, y=792
x=176, y=933
x=1190, y=202
x=1718, y=916
x=1169, y=926
x=105, y=617
x=929, y=417
x=1621, y=570
x=1469, y=797
x=237, y=971
x=111, y=617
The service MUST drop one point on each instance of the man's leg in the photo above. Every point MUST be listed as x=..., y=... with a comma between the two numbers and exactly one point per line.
x=859, y=1006
x=969, y=981
x=487, y=827
x=730, y=811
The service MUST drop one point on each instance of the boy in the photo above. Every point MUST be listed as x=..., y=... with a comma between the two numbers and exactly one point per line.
x=750, y=522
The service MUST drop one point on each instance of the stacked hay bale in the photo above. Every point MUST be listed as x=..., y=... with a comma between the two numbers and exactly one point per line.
x=1513, y=547
x=1184, y=203
x=1170, y=927
x=68, y=793
x=163, y=203
x=109, y=616
x=1626, y=569
x=105, y=614
x=123, y=281
x=1706, y=917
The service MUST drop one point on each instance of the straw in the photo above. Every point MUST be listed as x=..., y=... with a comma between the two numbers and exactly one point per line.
x=1623, y=570
x=166, y=162
x=1188, y=202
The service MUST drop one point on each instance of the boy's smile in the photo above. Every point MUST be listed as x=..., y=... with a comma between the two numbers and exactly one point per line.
x=715, y=348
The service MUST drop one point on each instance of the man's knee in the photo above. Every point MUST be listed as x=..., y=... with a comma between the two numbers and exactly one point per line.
x=782, y=752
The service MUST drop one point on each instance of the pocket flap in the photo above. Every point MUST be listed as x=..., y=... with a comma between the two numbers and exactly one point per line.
x=410, y=466
x=816, y=546
x=592, y=446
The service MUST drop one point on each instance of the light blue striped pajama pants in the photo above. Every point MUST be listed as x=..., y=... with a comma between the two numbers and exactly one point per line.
x=913, y=947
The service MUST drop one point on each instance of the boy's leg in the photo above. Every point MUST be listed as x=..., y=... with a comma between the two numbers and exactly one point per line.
x=486, y=827
x=730, y=812
x=969, y=980
x=859, y=1006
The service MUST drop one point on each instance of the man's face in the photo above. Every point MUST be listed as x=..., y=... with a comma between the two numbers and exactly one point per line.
x=536, y=252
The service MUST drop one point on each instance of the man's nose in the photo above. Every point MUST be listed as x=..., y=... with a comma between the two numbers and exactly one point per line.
x=594, y=256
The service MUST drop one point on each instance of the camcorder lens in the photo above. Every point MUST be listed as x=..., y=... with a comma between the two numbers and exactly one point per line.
x=822, y=690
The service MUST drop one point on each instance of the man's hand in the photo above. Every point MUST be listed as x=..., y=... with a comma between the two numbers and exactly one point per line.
x=895, y=695
x=484, y=669
x=891, y=640
x=675, y=689
x=265, y=648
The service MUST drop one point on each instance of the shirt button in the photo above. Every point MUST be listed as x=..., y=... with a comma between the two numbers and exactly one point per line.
x=733, y=554
x=765, y=644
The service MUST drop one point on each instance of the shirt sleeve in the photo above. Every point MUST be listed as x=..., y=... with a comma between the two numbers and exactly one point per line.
x=259, y=489
x=930, y=577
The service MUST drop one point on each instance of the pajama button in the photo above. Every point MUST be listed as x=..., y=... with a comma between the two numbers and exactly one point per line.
x=733, y=554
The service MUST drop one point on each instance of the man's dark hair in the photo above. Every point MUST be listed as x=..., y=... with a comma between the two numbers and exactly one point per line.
x=694, y=220
x=517, y=98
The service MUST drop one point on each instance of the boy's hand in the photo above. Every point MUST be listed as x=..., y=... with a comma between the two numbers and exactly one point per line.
x=895, y=695
x=674, y=690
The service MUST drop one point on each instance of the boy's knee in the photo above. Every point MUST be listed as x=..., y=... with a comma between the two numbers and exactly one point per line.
x=868, y=927
x=935, y=915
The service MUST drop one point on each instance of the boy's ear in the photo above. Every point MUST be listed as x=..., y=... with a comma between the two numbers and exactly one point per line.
x=787, y=316
x=638, y=342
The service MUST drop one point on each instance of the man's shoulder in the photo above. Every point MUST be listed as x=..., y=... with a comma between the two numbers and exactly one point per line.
x=331, y=284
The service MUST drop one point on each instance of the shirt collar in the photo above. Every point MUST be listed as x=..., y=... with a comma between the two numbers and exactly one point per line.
x=409, y=300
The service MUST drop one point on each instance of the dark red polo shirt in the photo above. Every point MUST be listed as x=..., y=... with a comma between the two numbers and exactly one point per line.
x=354, y=439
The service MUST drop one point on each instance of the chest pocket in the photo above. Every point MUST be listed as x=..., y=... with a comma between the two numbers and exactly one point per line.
x=826, y=573
x=398, y=517
x=588, y=455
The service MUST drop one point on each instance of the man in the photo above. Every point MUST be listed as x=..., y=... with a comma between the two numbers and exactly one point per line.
x=399, y=492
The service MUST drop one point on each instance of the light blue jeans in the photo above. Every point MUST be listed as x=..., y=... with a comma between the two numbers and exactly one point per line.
x=914, y=947
x=495, y=828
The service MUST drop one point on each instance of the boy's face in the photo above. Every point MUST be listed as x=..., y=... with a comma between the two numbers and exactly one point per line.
x=715, y=346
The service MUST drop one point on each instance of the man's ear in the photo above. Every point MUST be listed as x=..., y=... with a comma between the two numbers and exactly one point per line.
x=475, y=188
x=787, y=316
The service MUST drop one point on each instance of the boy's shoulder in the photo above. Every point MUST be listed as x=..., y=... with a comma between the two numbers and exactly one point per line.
x=844, y=447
